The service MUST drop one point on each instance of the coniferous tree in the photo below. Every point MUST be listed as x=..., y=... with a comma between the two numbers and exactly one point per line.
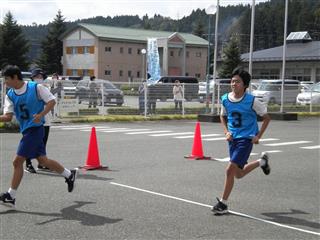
x=52, y=49
x=198, y=29
x=13, y=44
x=231, y=58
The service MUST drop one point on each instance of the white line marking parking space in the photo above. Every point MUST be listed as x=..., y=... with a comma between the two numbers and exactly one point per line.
x=209, y=206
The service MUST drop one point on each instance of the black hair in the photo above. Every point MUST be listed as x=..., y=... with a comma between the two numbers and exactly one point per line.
x=244, y=75
x=92, y=78
x=11, y=70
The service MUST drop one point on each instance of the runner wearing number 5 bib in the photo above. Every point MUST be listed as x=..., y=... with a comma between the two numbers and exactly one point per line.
x=30, y=102
x=238, y=116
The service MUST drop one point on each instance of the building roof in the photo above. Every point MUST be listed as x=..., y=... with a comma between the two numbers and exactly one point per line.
x=308, y=51
x=134, y=34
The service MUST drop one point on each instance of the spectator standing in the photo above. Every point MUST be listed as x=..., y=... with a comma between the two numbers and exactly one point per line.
x=177, y=96
x=93, y=92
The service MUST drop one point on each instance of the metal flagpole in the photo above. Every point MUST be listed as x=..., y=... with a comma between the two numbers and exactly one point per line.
x=251, y=39
x=284, y=54
x=215, y=56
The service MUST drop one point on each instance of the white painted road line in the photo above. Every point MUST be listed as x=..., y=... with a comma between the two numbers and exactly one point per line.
x=215, y=139
x=268, y=139
x=124, y=130
x=204, y=135
x=209, y=206
x=273, y=151
x=101, y=130
x=147, y=132
x=286, y=143
x=73, y=126
x=311, y=147
x=169, y=134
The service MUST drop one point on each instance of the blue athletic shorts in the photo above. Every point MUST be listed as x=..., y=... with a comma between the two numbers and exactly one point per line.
x=31, y=145
x=239, y=151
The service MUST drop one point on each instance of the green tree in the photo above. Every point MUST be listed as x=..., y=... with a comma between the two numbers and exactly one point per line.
x=52, y=48
x=198, y=29
x=231, y=58
x=13, y=44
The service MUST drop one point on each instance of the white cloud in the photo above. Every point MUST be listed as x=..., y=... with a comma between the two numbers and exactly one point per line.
x=44, y=11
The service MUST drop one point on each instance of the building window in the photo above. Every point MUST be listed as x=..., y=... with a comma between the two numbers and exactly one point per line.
x=121, y=49
x=198, y=75
x=129, y=50
x=266, y=73
x=107, y=49
x=107, y=72
x=301, y=74
x=138, y=74
x=129, y=73
x=120, y=73
x=74, y=72
x=138, y=51
x=74, y=50
x=85, y=72
x=86, y=50
x=187, y=54
x=198, y=54
x=318, y=75
x=187, y=74
x=171, y=53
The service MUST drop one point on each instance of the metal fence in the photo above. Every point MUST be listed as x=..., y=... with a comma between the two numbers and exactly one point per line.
x=101, y=97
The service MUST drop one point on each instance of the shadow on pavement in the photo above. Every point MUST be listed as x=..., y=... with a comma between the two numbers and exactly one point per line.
x=72, y=214
x=282, y=217
x=80, y=176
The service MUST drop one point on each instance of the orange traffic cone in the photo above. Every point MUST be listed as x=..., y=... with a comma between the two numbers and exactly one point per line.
x=197, y=152
x=93, y=160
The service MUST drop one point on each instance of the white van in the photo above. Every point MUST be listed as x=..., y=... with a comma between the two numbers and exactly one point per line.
x=269, y=91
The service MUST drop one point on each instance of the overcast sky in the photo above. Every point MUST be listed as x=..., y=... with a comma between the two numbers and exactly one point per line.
x=27, y=12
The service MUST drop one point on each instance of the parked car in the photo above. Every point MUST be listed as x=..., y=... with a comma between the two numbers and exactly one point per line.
x=112, y=95
x=269, y=91
x=305, y=97
x=163, y=87
x=224, y=87
x=305, y=85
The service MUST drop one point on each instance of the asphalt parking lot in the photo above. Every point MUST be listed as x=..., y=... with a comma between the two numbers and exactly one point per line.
x=152, y=192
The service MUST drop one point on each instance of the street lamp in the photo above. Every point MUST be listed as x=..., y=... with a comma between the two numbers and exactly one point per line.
x=143, y=52
x=209, y=11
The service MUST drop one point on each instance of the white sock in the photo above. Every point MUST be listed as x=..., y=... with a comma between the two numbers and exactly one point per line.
x=66, y=173
x=12, y=193
x=223, y=201
x=262, y=162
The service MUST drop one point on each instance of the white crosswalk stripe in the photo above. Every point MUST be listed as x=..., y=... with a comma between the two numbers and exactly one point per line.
x=214, y=139
x=204, y=135
x=286, y=143
x=311, y=147
x=124, y=130
x=169, y=134
x=268, y=139
x=148, y=132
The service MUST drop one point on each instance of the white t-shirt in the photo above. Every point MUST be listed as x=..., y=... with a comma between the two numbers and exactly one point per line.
x=43, y=94
x=258, y=106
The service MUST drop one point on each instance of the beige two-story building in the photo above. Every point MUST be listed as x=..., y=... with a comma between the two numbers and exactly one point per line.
x=117, y=54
